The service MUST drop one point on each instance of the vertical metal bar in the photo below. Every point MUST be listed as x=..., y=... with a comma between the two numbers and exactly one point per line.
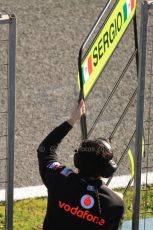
x=11, y=123
x=83, y=123
x=139, y=116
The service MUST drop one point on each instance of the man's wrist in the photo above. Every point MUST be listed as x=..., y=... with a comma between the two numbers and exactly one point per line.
x=71, y=121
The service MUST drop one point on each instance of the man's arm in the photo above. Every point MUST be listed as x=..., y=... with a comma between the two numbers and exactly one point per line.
x=47, y=148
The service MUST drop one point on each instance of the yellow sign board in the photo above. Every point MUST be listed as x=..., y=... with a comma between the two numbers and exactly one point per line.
x=106, y=43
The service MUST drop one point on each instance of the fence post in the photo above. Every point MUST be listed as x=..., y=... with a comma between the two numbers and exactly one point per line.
x=11, y=123
x=139, y=115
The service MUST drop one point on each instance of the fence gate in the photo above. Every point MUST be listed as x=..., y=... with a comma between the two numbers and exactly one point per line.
x=113, y=37
x=7, y=116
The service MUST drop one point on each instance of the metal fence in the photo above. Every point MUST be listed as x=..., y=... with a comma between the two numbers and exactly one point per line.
x=7, y=114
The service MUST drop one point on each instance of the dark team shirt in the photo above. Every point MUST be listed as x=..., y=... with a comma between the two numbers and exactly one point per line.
x=75, y=201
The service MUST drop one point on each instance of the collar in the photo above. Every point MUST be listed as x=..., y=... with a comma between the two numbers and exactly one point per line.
x=94, y=182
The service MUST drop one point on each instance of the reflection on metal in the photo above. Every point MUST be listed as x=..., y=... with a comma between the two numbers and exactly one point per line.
x=86, y=134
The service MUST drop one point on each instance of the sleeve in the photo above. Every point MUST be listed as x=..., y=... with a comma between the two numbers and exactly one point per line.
x=119, y=220
x=47, y=156
x=119, y=210
x=116, y=205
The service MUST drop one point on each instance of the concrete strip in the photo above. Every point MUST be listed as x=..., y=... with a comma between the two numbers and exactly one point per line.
x=41, y=191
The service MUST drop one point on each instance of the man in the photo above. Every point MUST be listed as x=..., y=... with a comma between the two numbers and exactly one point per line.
x=79, y=200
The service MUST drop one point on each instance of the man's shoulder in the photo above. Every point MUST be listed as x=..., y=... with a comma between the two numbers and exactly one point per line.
x=60, y=169
x=115, y=198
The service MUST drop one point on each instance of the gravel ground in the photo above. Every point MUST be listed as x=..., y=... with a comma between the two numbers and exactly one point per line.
x=49, y=36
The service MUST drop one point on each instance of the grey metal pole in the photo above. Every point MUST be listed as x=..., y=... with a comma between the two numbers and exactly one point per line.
x=139, y=115
x=11, y=123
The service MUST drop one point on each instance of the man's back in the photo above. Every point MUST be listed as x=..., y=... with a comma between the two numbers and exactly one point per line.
x=76, y=201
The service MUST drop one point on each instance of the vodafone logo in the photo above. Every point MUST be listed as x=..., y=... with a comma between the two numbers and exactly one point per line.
x=87, y=201
x=84, y=215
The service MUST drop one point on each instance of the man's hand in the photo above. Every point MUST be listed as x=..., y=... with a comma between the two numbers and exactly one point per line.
x=77, y=112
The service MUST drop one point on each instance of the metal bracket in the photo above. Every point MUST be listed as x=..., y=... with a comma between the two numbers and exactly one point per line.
x=150, y=4
x=4, y=18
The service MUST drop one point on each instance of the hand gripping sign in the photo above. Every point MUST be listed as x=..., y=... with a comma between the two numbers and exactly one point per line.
x=104, y=45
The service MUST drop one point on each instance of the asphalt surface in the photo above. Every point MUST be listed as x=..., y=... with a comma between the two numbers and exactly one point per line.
x=49, y=36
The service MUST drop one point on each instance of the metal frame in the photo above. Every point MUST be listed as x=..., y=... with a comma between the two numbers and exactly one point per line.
x=80, y=58
x=86, y=133
x=11, y=20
